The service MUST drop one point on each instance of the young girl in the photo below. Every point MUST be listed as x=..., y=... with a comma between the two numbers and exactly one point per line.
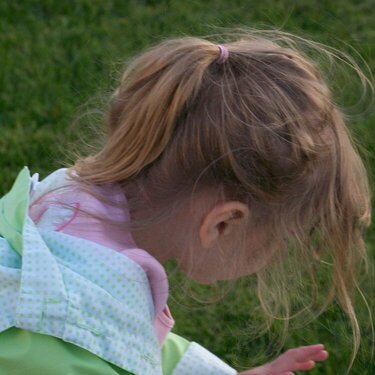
x=231, y=159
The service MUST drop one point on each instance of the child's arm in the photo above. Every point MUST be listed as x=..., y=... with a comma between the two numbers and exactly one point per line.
x=179, y=356
x=302, y=358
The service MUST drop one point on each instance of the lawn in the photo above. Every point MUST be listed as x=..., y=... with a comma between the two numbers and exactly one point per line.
x=58, y=59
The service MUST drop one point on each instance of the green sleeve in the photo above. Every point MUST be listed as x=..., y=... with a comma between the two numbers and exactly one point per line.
x=181, y=357
x=13, y=208
x=25, y=352
x=173, y=349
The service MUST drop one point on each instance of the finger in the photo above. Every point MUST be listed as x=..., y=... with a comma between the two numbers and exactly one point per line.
x=303, y=366
x=292, y=366
x=312, y=347
x=320, y=356
x=303, y=352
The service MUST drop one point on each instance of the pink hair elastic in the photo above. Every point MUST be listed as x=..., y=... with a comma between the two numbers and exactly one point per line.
x=224, y=53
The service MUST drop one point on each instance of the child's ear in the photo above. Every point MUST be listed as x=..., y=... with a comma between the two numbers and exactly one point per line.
x=221, y=221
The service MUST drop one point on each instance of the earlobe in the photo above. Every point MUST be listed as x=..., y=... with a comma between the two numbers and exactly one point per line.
x=220, y=221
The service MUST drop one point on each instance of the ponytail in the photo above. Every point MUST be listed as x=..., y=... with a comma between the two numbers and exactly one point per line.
x=153, y=91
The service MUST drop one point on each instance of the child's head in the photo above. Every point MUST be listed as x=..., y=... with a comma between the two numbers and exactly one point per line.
x=239, y=165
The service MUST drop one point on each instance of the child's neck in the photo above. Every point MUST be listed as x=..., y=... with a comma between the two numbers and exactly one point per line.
x=157, y=237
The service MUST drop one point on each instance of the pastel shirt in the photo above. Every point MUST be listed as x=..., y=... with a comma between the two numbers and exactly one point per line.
x=64, y=211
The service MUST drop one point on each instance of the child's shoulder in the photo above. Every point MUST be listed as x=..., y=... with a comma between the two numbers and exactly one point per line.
x=61, y=204
x=57, y=203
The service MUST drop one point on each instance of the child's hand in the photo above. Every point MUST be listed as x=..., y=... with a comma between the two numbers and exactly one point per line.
x=298, y=359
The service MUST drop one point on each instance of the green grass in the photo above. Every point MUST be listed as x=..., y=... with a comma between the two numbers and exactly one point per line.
x=57, y=56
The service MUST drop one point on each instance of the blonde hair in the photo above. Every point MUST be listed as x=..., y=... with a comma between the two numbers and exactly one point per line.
x=264, y=129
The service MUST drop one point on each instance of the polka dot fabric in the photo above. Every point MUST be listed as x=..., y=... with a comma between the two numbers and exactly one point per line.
x=83, y=293
x=10, y=275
